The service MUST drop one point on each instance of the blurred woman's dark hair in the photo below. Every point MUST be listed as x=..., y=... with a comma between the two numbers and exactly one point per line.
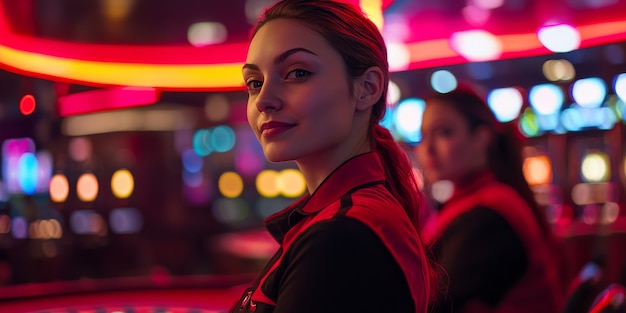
x=504, y=154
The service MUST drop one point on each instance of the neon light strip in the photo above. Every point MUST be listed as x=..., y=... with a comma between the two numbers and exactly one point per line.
x=106, y=99
x=218, y=67
x=163, y=76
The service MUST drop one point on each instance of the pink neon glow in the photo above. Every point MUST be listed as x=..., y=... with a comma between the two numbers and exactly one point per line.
x=107, y=99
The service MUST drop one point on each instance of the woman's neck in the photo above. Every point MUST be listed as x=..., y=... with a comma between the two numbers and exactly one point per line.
x=316, y=168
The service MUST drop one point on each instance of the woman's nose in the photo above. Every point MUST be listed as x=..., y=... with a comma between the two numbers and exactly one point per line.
x=268, y=99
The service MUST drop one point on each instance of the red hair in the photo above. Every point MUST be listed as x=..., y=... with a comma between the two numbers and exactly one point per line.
x=361, y=46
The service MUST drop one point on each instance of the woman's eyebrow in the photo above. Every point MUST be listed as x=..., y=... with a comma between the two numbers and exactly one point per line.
x=280, y=58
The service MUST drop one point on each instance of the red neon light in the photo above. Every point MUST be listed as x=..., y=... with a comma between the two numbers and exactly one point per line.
x=27, y=104
x=104, y=100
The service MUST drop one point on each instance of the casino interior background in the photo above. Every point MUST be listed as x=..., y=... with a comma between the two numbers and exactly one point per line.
x=126, y=152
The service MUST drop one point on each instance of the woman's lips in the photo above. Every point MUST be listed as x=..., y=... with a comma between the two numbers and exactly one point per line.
x=273, y=128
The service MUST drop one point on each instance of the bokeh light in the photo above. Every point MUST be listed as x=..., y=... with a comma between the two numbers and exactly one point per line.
x=595, y=167
x=537, y=170
x=393, y=93
x=488, y=4
x=291, y=183
x=408, y=119
x=202, y=142
x=505, y=103
x=80, y=149
x=59, y=188
x=442, y=190
x=192, y=162
x=231, y=211
x=87, y=187
x=125, y=221
x=28, y=173
x=559, y=38
x=45, y=229
x=620, y=86
x=398, y=56
x=122, y=183
x=267, y=183
x=443, y=81
x=19, y=228
x=589, y=92
x=476, y=45
x=27, y=105
x=192, y=179
x=546, y=99
x=87, y=222
x=5, y=224
x=529, y=124
x=572, y=119
x=559, y=70
x=230, y=184
x=206, y=33
x=222, y=138
x=44, y=171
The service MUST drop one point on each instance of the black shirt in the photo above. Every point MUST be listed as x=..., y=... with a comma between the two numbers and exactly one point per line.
x=483, y=258
x=336, y=262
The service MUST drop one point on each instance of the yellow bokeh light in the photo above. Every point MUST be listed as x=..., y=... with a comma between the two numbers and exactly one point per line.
x=537, y=170
x=374, y=10
x=122, y=183
x=291, y=183
x=87, y=187
x=267, y=183
x=595, y=167
x=230, y=184
x=59, y=188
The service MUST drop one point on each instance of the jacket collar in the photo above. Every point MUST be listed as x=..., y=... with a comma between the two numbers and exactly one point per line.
x=472, y=183
x=356, y=171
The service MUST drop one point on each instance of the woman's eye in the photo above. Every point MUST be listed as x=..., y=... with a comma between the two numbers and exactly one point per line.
x=445, y=132
x=298, y=73
x=253, y=84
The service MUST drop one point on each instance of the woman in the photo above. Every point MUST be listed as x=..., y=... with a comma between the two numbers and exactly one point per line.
x=317, y=77
x=490, y=236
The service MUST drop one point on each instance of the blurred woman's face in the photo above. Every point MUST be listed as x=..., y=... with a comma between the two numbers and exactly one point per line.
x=299, y=103
x=448, y=150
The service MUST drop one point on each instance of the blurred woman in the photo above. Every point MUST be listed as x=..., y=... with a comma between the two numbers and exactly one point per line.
x=490, y=236
x=317, y=78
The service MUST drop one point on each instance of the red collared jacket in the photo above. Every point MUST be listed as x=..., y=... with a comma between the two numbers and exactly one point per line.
x=348, y=247
x=538, y=289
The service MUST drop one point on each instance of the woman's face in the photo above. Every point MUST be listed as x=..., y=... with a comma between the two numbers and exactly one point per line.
x=449, y=150
x=299, y=103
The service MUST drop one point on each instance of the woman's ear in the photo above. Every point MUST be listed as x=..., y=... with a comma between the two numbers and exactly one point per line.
x=369, y=88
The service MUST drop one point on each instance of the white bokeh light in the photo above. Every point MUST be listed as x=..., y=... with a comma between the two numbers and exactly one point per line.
x=595, y=167
x=398, y=56
x=476, y=45
x=206, y=33
x=620, y=86
x=408, y=119
x=559, y=38
x=546, y=99
x=505, y=103
x=589, y=92
x=393, y=93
